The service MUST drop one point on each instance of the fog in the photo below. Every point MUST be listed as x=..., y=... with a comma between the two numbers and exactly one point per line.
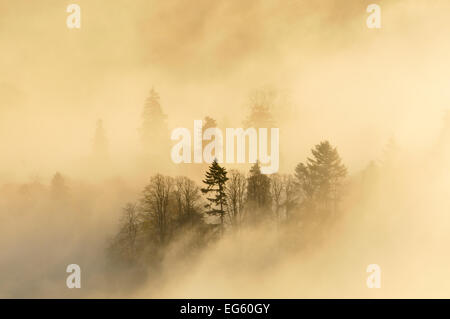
x=332, y=79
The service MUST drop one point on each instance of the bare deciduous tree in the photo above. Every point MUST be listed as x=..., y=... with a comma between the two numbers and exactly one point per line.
x=236, y=189
x=290, y=194
x=129, y=230
x=276, y=190
x=155, y=204
x=124, y=243
x=187, y=197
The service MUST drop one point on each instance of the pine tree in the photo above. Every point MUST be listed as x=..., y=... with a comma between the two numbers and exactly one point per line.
x=321, y=177
x=215, y=180
x=154, y=131
x=258, y=193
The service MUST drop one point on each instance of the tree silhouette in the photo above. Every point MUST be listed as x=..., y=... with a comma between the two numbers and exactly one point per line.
x=258, y=194
x=290, y=195
x=276, y=192
x=236, y=192
x=208, y=122
x=154, y=131
x=260, y=115
x=125, y=242
x=215, y=179
x=187, y=197
x=58, y=187
x=155, y=205
x=320, y=178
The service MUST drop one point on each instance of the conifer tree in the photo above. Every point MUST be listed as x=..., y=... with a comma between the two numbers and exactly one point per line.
x=154, y=131
x=215, y=180
x=258, y=192
x=320, y=178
